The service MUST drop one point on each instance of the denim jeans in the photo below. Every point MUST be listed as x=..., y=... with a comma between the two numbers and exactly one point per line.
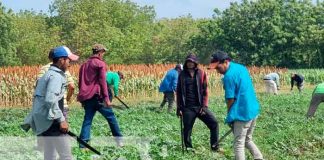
x=91, y=106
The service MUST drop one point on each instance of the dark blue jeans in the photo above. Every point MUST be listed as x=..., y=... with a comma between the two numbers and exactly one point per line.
x=91, y=106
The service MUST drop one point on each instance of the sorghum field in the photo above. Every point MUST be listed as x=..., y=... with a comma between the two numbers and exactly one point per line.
x=282, y=130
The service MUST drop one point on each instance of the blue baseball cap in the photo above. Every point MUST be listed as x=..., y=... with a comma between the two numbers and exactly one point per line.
x=63, y=51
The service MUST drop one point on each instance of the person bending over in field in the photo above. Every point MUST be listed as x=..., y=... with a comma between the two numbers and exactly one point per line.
x=168, y=86
x=113, y=80
x=93, y=94
x=317, y=98
x=272, y=83
x=242, y=104
x=192, y=101
x=299, y=79
x=46, y=118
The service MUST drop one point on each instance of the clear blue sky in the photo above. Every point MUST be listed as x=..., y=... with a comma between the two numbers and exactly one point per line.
x=163, y=8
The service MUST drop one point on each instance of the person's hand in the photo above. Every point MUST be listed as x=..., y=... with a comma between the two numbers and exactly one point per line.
x=231, y=125
x=179, y=113
x=64, y=127
x=108, y=104
x=202, y=110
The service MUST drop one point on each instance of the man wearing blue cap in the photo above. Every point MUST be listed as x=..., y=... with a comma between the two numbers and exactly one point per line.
x=46, y=118
x=242, y=104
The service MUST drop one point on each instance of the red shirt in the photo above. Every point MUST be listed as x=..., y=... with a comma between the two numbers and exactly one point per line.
x=92, y=79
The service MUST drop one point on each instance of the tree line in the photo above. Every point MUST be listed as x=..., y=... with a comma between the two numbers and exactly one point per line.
x=284, y=33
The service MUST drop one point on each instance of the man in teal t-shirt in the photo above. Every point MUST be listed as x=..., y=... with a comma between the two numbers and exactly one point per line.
x=113, y=80
x=317, y=98
x=242, y=104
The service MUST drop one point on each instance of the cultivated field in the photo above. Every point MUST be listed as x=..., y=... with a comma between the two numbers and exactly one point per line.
x=282, y=130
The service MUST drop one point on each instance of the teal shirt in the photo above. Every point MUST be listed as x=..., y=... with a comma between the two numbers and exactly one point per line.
x=238, y=85
x=113, y=79
x=319, y=88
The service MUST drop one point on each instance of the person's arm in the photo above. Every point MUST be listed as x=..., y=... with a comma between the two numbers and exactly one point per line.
x=278, y=81
x=175, y=81
x=116, y=85
x=179, y=96
x=229, y=103
x=204, y=89
x=292, y=83
x=229, y=87
x=53, y=89
x=103, y=83
x=70, y=87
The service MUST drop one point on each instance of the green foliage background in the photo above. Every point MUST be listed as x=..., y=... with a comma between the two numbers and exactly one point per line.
x=285, y=33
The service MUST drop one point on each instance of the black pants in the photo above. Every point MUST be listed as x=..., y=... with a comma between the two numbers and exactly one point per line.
x=189, y=117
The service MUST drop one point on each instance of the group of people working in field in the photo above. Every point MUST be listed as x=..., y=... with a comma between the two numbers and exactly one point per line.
x=189, y=84
x=54, y=87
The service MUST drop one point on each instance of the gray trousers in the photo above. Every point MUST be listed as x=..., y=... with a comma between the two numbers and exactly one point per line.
x=168, y=97
x=316, y=100
x=243, y=132
x=60, y=144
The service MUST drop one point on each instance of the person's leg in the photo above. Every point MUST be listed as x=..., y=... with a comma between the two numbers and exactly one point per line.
x=316, y=100
x=63, y=147
x=171, y=98
x=49, y=148
x=268, y=86
x=274, y=87
x=113, y=124
x=111, y=119
x=90, y=110
x=210, y=120
x=300, y=86
x=164, y=100
x=110, y=94
x=240, y=131
x=250, y=145
x=66, y=112
x=189, y=117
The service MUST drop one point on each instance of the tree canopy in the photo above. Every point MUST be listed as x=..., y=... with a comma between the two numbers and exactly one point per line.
x=285, y=33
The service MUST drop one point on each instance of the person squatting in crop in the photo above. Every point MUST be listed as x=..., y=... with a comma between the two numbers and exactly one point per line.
x=299, y=79
x=168, y=86
x=113, y=80
x=317, y=98
x=272, y=82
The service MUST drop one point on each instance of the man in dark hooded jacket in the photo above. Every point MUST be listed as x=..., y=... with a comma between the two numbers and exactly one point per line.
x=192, y=101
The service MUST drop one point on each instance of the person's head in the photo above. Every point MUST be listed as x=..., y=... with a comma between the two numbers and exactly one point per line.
x=220, y=61
x=191, y=61
x=293, y=75
x=121, y=75
x=99, y=50
x=50, y=55
x=62, y=57
x=178, y=67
